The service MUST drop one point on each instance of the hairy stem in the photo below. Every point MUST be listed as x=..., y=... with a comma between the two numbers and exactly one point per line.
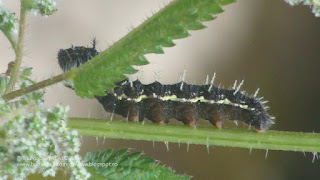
x=273, y=140
x=35, y=87
x=18, y=50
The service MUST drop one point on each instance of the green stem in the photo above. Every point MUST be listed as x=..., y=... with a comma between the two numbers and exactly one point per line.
x=18, y=49
x=273, y=140
x=37, y=86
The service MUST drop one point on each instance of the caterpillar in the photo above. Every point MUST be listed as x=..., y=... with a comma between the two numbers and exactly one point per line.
x=182, y=101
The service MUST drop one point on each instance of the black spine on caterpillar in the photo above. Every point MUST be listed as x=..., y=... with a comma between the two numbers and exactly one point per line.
x=184, y=102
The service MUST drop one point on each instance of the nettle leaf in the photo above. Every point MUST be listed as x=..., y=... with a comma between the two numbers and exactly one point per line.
x=129, y=166
x=172, y=22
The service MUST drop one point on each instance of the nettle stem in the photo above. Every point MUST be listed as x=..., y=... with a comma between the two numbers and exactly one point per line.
x=209, y=136
x=18, y=50
x=36, y=86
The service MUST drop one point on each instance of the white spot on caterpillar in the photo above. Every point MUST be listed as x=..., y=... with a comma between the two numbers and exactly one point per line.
x=122, y=96
x=224, y=101
x=140, y=98
x=167, y=98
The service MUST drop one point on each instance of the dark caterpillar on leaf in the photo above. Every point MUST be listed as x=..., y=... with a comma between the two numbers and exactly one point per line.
x=184, y=102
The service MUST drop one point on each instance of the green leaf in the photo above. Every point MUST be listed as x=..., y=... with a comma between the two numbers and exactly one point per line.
x=128, y=166
x=27, y=71
x=3, y=83
x=172, y=22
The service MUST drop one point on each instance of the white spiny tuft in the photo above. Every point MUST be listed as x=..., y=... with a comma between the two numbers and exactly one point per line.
x=188, y=146
x=156, y=76
x=314, y=156
x=112, y=114
x=131, y=84
x=256, y=93
x=212, y=80
x=236, y=122
x=125, y=82
x=140, y=74
x=207, y=80
x=182, y=80
x=127, y=118
x=264, y=102
x=167, y=145
x=235, y=84
x=208, y=147
x=265, y=157
x=141, y=92
x=184, y=75
x=260, y=98
x=238, y=88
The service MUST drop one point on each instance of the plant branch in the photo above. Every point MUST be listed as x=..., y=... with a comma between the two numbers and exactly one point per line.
x=37, y=86
x=17, y=49
x=271, y=140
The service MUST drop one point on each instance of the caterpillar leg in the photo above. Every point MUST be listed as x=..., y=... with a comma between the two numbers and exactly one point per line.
x=188, y=116
x=215, y=119
x=133, y=115
x=156, y=113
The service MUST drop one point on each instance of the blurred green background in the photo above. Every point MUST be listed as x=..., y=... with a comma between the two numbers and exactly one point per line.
x=267, y=43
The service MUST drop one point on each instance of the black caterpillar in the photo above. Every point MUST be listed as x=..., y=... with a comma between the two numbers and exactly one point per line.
x=184, y=102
